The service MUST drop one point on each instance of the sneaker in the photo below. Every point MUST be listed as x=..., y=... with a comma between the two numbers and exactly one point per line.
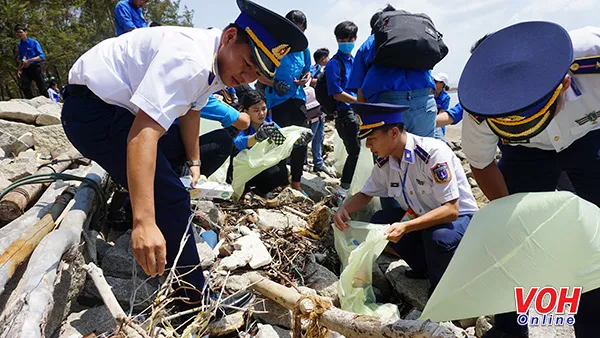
x=327, y=170
x=339, y=196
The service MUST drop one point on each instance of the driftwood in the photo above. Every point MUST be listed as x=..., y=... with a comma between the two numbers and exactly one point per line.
x=22, y=248
x=31, y=302
x=11, y=232
x=349, y=324
x=14, y=203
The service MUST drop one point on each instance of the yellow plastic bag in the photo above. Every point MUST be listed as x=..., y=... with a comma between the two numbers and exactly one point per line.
x=527, y=240
x=358, y=247
x=251, y=162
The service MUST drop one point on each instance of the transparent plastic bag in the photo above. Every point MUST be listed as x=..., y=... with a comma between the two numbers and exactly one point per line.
x=358, y=247
x=263, y=155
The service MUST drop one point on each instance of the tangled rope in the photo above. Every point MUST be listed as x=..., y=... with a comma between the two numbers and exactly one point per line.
x=314, y=329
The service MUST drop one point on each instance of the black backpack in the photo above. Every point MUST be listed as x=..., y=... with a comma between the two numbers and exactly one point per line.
x=407, y=40
x=327, y=102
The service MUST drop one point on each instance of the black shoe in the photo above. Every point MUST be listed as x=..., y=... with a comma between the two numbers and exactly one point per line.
x=414, y=274
x=231, y=304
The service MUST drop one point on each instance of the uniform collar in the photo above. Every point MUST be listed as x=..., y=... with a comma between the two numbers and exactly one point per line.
x=409, y=154
x=213, y=77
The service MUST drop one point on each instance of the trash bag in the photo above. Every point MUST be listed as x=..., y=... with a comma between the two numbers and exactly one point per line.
x=358, y=247
x=526, y=239
x=263, y=155
x=364, y=167
x=220, y=175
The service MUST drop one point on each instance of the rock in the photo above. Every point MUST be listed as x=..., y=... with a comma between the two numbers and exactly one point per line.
x=49, y=114
x=458, y=332
x=275, y=313
x=81, y=323
x=275, y=219
x=40, y=101
x=226, y=325
x=237, y=283
x=4, y=183
x=414, y=291
x=2, y=154
x=380, y=283
x=556, y=331
x=413, y=314
x=319, y=219
x=482, y=325
x=27, y=139
x=314, y=186
x=472, y=182
x=253, y=245
x=467, y=169
x=51, y=140
x=479, y=197
x=289, y=196
x=467, y=322
x=470, y=331
x=268, y=331
x=455, y=145
x=18, y=169
x=118, y=260
x=322, y=280
x=18, y=111
x=206, y=254
x=15, y=128
x=124, y=288
x=236, y=260
x=460, y=155
x=212, y=212
x=101, y=248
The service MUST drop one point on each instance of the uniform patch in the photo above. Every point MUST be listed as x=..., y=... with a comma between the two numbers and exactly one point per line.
x=591, y=117
x=441, y=173
x=395, y=185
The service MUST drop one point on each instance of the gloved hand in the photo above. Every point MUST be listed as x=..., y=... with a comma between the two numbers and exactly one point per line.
x=265, y=131
x=281, y=87
x=304, y=139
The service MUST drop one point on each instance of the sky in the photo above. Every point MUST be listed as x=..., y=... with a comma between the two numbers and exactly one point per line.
x=462, y=22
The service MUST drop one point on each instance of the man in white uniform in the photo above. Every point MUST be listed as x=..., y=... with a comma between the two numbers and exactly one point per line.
x=124, y=96
x=533, y=89
x=429, y=183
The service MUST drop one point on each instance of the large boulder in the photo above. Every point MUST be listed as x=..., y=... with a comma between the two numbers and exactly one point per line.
x=51, y=140
x=314, y=186
x=17, y=111
x=40, y=101
x=413, y=291
x=322, y=280
x=15, y=128
x=49, y=114
x=274, y=219
x=97, y=319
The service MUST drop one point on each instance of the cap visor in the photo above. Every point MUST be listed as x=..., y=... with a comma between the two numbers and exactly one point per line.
x=264, y=64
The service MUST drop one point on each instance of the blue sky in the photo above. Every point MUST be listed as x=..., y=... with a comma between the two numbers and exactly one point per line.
x=461, y=21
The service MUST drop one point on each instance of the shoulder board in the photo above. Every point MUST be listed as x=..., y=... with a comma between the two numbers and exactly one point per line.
x=477, y=119
x=586, y=65
x=381, y=161
x=422, y=154
x=211, y=78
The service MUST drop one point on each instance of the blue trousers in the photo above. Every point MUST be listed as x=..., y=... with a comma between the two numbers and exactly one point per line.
x=318, y=129
x=99, y=131
x=534, y=170
x=420, y=118
x=429, y=250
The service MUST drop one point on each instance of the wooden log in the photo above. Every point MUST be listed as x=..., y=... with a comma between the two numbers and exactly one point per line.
x=16, y=201
x=14, y=229
x=349, y=324
x=22, y=248
x=31, y=302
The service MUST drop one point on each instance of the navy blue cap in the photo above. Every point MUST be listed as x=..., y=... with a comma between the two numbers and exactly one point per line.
x=374, y=115
x=513, y=77
x=272, y=36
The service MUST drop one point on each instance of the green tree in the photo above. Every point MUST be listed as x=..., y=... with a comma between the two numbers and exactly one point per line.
x=167, y=12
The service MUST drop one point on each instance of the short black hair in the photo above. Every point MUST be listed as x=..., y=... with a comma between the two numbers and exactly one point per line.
x=251, y=98
x=242, y=36
x=478, y=42
x=21, y=26
x=297, y=17
x=320, y=53
x=387, y=127
x=346, y=30
x=376, y=16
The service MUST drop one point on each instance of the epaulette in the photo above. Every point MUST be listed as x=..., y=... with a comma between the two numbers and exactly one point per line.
x=422, y=154
x=211, y=78
x=477, y=119
x=381, y=161
x=586, y=65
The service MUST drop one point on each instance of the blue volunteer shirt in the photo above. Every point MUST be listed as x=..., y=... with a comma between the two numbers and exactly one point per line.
x=218, y=111
x=442, y=101
x=241, y=141
x=335, y=82
x=373, y=79
x=293, y=66
x=456, y=113
x=315, y=70
x=127, y=17
x=29, y=49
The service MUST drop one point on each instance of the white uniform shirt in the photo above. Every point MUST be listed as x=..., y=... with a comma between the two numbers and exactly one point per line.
x=429, y=183
x=164, y=71
x=479, y=142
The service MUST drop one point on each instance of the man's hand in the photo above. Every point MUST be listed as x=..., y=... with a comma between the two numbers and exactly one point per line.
x=149, y=248
x=265, y=131
x=341, y=218
x=303, y=81
x=395, y=231
x=195, y=170
x=26, y=63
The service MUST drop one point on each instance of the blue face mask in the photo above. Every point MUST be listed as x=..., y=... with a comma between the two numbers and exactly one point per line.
x=346, y=47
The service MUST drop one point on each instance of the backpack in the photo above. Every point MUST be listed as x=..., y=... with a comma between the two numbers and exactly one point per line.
x=328, y=103
x=407, y=40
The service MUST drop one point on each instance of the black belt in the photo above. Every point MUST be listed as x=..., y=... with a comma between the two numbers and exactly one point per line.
x=80, y=91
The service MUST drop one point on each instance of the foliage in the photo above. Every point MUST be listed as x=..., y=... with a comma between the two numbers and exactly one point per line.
x=66, y=29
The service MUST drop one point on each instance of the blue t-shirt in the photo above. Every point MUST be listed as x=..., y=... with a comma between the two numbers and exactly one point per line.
x=219, y=111
x=443, y=101
x=29, y=49
x=373, y=79
x=315, y=70
x=335, y=82
x=128, y=17
x=456, y=112
x=293, y=66
x=241, y=140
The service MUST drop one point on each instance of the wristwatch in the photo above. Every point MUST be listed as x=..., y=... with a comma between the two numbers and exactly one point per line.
x=193, y=163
